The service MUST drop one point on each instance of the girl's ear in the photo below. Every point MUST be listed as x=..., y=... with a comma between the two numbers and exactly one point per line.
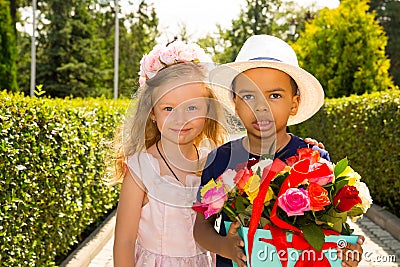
x=295, y=105
x=152, y=115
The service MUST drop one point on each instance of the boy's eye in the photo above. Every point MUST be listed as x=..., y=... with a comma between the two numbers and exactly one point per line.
x=192, y=108
x=248, y=97
x=275, y=96
x=168, y=108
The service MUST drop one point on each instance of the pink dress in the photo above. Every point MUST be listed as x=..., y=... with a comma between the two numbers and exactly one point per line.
x=165, y=235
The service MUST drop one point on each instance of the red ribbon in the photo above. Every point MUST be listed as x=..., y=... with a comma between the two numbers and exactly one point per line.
x=317, y=258
x=258, y=203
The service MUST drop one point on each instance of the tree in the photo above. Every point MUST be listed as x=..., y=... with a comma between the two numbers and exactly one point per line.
x=140, y=39
x=70, y=54
x=258, y=17
x=345, y=49
x=8, y=50
x=388, y=16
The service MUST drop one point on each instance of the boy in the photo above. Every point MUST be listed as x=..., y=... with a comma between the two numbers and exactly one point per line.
x=269, y=92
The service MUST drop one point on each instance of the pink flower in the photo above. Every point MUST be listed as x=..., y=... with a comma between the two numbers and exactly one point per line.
x=142, y=80
x=214, y=199
x=294, y=201
x=191, y=52
x=150, y=64
x=326, y=177
x=169, y=55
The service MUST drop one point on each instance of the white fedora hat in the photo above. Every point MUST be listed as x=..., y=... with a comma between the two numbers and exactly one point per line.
x=265, y=51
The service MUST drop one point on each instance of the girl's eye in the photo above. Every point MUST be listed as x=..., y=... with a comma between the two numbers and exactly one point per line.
x=275, y=96
x=248, y=97
x=168, y=108
x=192, y=108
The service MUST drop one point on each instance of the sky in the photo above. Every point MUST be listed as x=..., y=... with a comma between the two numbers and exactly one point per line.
x=201, y=17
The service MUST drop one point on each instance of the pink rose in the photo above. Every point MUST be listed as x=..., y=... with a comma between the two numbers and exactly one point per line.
x=214, y=199
x=322, y=179
x=169, y=55
x=294, y=201
x=142, y=80
x=150, y=64
x=186, y=56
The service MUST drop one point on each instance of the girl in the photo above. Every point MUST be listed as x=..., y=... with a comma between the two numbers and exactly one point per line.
x=175, y=113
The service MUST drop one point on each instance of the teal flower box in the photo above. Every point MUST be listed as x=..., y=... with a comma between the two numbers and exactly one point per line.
x=266, y=254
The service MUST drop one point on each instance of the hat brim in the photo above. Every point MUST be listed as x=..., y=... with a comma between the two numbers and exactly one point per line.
x=311, y=91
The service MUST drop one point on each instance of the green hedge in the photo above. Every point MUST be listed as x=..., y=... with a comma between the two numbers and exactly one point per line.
x=366, y=129
x=52, y=167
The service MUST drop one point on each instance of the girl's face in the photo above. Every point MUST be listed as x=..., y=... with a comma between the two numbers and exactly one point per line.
x=181, y=113
x=264, y=101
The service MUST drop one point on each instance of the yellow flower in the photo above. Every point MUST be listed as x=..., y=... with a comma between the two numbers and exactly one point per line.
x=253, y=186
x=352, y=176
x=209, y=185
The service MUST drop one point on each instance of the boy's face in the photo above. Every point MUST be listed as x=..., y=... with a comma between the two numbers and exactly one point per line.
x=264, y=101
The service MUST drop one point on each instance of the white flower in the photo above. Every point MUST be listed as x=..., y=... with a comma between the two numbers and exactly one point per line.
x=364, y=195
x=228, y=179
x=261, y=164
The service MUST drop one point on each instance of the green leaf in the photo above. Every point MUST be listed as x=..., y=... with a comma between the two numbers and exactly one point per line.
x=357, y=210
x=336, y=219
x=314, y=236
x=341, y=166
x=241, y=204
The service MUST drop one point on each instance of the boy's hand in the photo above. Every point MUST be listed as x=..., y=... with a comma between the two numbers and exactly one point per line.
x=352, y=253
x=235, y=245
x=314, y=142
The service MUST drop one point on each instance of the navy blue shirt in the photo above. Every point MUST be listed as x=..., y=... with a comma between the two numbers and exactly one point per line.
x=229, y=155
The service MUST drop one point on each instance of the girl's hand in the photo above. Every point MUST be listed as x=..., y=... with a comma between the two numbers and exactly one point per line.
x=352, y=253
x=235, y=245
x=314, y=142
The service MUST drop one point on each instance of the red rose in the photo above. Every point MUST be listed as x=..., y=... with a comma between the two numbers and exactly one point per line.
x=318, y=197
x=292, y=160
x=304, y=153
x=242, y=176
x=308, y=153
x=346, y=198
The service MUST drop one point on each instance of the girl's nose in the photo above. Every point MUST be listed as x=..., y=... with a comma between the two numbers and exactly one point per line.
x=179, y=116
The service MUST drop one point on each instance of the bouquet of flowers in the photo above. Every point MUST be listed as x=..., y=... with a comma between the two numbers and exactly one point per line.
x=308, y=196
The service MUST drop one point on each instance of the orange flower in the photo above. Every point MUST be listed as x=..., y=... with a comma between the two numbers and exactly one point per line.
x=241, y=178
x=318, y=197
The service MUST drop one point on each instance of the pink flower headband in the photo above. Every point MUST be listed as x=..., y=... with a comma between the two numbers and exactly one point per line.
x=162, y=56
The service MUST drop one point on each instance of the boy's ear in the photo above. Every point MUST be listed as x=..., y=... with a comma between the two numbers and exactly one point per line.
x=295, y=105
x=235, y=103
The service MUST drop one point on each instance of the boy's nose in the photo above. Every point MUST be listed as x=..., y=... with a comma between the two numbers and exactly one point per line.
x=262, y=105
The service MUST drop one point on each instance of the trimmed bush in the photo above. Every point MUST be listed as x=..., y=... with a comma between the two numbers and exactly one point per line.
x=366, y=129
x=52, y=154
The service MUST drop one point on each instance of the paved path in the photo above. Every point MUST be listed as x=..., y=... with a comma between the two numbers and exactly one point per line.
x=380, y=247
